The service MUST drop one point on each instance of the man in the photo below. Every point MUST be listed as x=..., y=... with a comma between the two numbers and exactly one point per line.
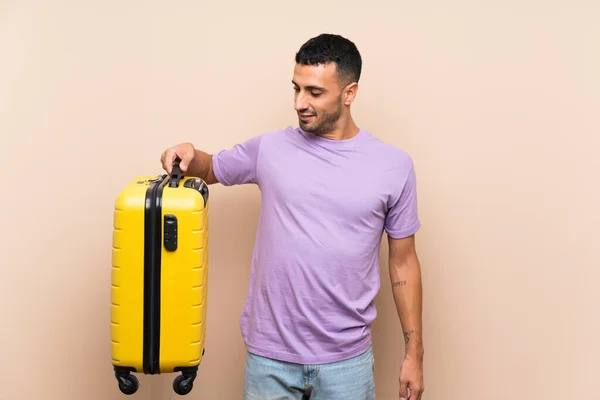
x=329, y=189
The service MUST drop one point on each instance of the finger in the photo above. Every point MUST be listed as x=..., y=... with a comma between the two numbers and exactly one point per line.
x=415, y=392
x=168, y=162
x=403, y=390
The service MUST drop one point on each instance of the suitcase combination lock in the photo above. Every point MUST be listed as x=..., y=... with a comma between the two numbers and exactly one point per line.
x=170, y=233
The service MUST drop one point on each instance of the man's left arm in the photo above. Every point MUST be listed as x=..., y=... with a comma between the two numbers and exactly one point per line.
x=405, y=275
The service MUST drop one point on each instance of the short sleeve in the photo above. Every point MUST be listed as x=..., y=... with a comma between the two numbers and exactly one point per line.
x=237, y=165
x=402, y=219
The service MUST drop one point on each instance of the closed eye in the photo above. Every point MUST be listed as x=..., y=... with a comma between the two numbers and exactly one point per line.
x=312, y=93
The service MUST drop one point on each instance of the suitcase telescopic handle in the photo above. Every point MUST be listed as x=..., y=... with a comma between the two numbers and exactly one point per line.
x=175, y=173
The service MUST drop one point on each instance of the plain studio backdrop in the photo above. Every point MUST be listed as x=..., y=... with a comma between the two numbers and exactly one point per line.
x=497, y=103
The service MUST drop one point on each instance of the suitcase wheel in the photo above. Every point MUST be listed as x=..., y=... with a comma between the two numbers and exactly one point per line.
x=128, y=384
x=183, y=385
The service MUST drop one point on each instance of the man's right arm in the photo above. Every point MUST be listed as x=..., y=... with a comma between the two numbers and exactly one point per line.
x=193, y=162
x=202, y=167
x=234, y=166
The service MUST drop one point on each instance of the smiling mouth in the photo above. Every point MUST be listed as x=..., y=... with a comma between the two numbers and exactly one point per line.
x=305, y=116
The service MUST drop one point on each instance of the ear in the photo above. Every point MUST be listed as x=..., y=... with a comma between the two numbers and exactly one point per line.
x=349, y=93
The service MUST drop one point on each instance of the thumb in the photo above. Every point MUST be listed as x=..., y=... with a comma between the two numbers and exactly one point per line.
x=183, y=165
x=185, y=157
x=183, y=160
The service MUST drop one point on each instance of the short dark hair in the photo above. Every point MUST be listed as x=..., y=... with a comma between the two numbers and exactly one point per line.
x=327, y=48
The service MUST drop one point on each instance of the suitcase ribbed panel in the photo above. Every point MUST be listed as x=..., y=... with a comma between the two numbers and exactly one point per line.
x=127, y=284
x=184, y=281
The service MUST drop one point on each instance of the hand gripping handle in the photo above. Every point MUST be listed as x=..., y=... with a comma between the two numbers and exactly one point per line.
x=176, y=174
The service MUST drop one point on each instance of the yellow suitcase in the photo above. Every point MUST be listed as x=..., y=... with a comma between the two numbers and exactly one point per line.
x=159, y=279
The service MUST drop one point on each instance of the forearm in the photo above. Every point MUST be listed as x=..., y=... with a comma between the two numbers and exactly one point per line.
x=201, y=166
x=405, y=276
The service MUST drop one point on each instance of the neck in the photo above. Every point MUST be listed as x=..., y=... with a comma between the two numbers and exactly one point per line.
x=344, y=129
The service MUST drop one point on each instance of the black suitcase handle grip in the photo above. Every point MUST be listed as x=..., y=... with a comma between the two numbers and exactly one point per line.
x=176, y=174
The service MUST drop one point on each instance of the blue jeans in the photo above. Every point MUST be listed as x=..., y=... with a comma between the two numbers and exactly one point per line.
x=268, y=379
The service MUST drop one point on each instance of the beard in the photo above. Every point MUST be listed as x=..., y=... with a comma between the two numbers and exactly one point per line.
x=324, y=121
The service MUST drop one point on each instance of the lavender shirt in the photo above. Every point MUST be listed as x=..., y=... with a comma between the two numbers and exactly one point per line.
x=315, y=269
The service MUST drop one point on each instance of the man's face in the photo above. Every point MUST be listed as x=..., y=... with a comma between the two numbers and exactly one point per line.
x=318, y=97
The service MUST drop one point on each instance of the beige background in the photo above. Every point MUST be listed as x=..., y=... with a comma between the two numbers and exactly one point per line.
x=498, y=105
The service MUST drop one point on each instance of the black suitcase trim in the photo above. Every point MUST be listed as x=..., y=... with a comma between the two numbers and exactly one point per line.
x=152, y=275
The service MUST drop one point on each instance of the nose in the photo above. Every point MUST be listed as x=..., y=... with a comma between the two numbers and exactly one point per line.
x=300, y=103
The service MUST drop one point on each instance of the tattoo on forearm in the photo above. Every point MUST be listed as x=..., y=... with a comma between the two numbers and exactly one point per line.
x=407, y=336
x=398, y=283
